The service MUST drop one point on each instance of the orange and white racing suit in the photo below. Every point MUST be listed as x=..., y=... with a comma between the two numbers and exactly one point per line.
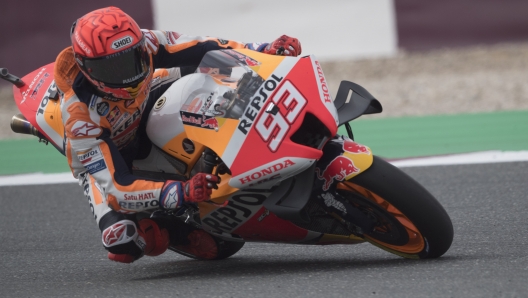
x=103, y=136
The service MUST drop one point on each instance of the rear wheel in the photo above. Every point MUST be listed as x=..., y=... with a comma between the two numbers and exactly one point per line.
x=409, y=221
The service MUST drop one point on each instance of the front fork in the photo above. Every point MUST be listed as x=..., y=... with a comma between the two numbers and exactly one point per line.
x=342, y=159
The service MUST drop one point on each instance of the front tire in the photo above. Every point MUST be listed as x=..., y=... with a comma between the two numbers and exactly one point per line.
x=410, y=222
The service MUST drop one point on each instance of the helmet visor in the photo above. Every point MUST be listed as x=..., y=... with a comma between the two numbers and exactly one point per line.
x=123, y=69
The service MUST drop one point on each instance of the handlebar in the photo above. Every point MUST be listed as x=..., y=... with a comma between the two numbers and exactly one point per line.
x=4, y=74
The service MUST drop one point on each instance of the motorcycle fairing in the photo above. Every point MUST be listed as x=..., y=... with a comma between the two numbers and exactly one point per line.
x=280, y=97
x=39, y=102
x=245, y=215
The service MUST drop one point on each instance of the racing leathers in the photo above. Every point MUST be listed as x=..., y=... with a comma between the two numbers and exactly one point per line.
x=104, y=135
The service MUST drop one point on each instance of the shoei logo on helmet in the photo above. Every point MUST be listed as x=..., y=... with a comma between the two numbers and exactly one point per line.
x=122, y=42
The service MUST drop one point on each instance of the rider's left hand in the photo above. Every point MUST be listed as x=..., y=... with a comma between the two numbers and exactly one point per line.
x=284, y=46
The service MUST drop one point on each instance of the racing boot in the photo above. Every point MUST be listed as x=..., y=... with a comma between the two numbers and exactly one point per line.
x=150, y=240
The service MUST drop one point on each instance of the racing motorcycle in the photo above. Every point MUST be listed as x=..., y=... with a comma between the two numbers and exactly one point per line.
x=268, y=127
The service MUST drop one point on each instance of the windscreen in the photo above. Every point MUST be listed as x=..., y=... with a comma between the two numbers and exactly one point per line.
x=225, y=89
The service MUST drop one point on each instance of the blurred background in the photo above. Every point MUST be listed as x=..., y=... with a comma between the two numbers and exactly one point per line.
x=418, y=58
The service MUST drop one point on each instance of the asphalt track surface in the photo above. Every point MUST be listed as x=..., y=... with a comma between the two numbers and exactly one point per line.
x=50, y=247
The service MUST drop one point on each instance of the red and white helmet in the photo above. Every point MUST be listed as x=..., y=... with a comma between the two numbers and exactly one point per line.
x=111, y=52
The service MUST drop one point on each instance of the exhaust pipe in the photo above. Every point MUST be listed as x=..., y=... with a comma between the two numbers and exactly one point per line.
x=19, y=124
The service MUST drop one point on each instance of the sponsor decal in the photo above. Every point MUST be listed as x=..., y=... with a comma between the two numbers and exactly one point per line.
x=122, y=42
x=337, y=170
x=139, y=196
x=199, y=120
x=239, y=209
x=263, y=215
x=130, y=122
x=273, y=126
x=83, y=129
x=110, y=98
x=223, y=41
x=324, y=86
x=52, y=89
x=120, y=120
x=103, y=108
x=251, y=62
x=355, y=148
x=256, y=103
x=160, y=103
x=95, y=167
x=37, y=88
x=113, y=115
x=266, y=172
x=35, y=79
x=188, y=146
x=209, y=122
x=89, y=156
x=93, y=101
x=81, y=44
x=129, y=102
x=139, y=205
x=207, y=104
x=132, y=79
x=330, y=201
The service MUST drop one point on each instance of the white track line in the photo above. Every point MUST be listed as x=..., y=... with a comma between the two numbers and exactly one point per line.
x=37, y=178
x=454, y=159
x=465, y=158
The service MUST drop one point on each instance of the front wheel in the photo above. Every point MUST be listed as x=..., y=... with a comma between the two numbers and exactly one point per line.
x=409, y=221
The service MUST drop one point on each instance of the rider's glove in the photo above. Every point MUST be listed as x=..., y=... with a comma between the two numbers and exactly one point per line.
x=197, y=189
x=284, y=46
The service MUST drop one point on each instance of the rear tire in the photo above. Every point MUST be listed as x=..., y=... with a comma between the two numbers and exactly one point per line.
x=410, y=221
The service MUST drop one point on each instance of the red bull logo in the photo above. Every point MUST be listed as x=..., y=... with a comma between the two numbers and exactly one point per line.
x=336, y=170
x=210, y=123
x=353, y=147
x=251, y=62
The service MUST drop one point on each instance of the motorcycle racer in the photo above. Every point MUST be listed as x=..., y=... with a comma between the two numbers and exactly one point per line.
x=109, y=79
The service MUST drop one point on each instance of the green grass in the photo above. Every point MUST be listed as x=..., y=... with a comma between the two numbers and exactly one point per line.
x=388, y=137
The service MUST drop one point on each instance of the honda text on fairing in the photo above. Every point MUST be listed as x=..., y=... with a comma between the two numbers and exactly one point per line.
x=268, y=127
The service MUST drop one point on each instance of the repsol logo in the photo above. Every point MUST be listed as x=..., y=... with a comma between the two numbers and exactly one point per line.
x=239, y=209
x=87, y=157
x=139, y=205
x=122, y=42
x=127, y=124
x=257, y=102
x=51, y=89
